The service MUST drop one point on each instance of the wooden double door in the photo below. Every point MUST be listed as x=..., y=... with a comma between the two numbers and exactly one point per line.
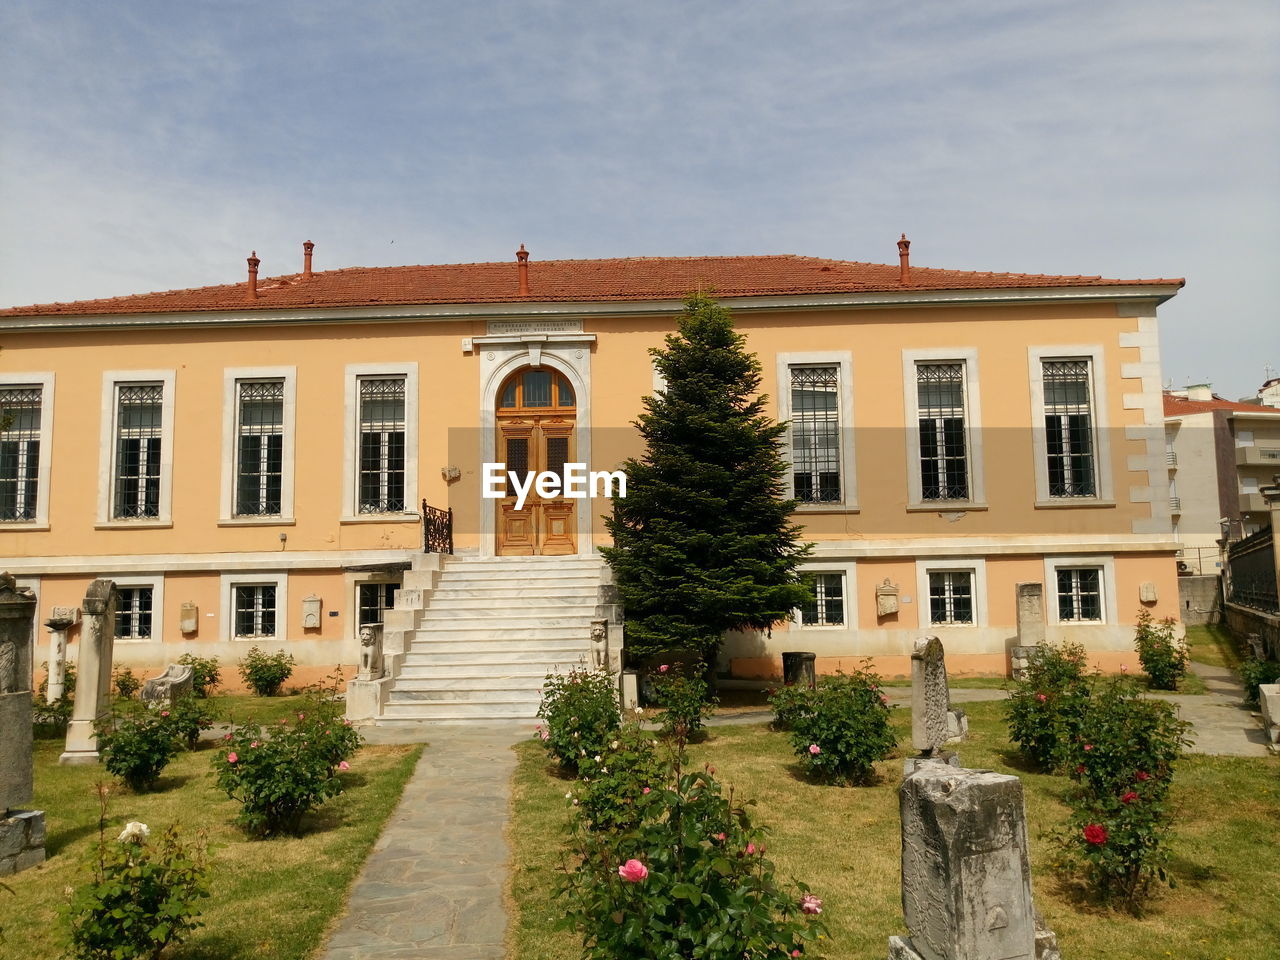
x=536, y=420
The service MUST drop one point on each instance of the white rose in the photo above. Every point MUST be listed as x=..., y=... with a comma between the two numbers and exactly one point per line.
x=134, y=832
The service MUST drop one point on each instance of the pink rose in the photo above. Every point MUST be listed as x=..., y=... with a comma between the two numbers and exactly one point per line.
x=795, y=953
x=810, y=904
x=1088, y=747
x=164, y=713
x=645, y=790
x=1124, y=668
x=664, y=668
x=814, y=749
x=751, y=849
x=254, y=744
x=1041, y=697
x=344, y=766
x=231, y=757
x=721, y=836
x=633, y=871
x=226, y=736
x=302, y=716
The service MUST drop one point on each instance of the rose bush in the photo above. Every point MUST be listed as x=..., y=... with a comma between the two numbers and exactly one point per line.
x=205, y=673
x=613, y=784
x=136, y=746
x=265, y=673
x=581, y=712
x=682, y=694
x=1046, y=708
x=1163, y=657
x=843, y=728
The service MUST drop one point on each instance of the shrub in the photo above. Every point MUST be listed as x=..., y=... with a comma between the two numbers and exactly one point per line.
x=844, y=728
x=581, y=713
x=280, y=774
x=205, y=673
x=1119, y=826
x=1163, y=658
x=789, y=703
x=614, y=784
x=329, y=731
x=187, y=717
x=690, y=880
x=265, y=673
x=1254, y=673
x=684, y=698
x=126, y=682
x=1045, y=709
x=137, y=746
x=143, y=896
x=50, y=718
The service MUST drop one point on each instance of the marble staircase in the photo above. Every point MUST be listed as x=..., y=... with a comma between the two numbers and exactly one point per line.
x=473, y=639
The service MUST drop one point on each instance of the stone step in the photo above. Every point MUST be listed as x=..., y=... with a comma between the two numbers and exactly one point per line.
x=467, y=654
x=584, y=601
x=446, y=673
x=432, y=619
x=469, y=694
x=481, y=634
x=544, y=585
x=460, y=710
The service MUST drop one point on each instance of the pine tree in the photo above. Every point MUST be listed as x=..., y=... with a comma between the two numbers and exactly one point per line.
x=703, y=541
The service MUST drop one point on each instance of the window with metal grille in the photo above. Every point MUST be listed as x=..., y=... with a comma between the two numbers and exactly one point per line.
x=944, y=461
x=1068, y=423
x=825, y=607
x=557, y=456
x=951, y=597
x=815, y=434
x=139, y=413
x=255, y=611
x=133, y=613
x=1080, y=594
x=375, y=600
x=19, y=452
x=382, y=439
x=259, y=447
x=517, y=462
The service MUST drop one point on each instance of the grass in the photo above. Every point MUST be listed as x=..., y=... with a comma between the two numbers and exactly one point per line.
x=844, y=842
x=269, y=898
x=1216, y=646
x=241, y=708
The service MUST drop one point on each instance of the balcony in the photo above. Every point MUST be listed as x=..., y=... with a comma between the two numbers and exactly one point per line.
x=1175, y=504
x=1255, y=456
x=1171, y=458
x=1253, y=503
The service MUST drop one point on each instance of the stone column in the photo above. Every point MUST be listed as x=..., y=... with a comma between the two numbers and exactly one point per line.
x=21, y=831
x=93, y=681
x=63, y=619
x=966, y=874
x=1271, y=494
x=933, y=723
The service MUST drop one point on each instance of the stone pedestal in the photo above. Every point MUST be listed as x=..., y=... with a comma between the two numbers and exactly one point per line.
x=966, y=875
x=93, y=682
x=1269, y=701
x=21, y=841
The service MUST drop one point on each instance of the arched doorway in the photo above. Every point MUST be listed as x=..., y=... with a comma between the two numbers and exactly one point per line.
x=535, y=419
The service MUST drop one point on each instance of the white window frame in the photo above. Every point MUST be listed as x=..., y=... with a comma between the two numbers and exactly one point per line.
x=231, y=378
x=976, y=566
x=111, y=379
x=842, y=360
x=355, y=372
x=227, y=604
x=1095, y=355
x=972, y=427
x=44, y=380
x=850, y=586
x=156, y=584
x=1107, y=583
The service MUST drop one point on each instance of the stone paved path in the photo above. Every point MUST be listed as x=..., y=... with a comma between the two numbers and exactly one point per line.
x=433, y=886
x=1221, y=723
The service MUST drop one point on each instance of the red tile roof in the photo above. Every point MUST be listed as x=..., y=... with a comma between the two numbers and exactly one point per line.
x=1182, y=407
x=633, y=278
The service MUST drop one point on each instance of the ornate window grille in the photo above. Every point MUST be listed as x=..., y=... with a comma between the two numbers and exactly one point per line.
x=139, y=411
x=382, y=445
x=19, y=452
x=255, y=611
x=375, y=600
x=133, y=613
x=1080, y=594
x=951, y=597
x=1068, y=422
x=825, y=607
x=815, y=433
x=260, y=447
x=944, y=461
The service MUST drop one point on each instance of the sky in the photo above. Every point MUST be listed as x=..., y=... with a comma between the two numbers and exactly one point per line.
x=152, y=145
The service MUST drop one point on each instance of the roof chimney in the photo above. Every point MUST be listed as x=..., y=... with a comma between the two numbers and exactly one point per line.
x=904, y=260
x=253, y=274
x=522, y=262
x=306, y=259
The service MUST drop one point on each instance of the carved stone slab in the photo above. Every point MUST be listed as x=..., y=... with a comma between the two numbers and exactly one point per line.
x=966, y=875
x=930, y=697
x=93, y=685
x=1030, y=614
x=17, y=608
x=886, y=599
x=175, y=682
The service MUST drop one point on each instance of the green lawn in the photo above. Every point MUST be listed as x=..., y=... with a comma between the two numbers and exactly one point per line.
x=270, y=898
x=241, y=708
x=1215, y=645
x=844, y=842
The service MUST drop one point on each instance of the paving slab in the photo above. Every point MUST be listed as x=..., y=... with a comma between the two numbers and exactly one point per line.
x=433, y=884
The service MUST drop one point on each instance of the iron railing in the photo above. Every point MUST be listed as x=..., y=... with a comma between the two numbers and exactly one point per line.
x=437, y=529
x=1251, y=571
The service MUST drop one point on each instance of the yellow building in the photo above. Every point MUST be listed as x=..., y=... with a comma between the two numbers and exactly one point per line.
x=249, y=461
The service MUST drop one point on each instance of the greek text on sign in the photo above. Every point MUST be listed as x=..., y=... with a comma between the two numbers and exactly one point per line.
x=511, y=327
